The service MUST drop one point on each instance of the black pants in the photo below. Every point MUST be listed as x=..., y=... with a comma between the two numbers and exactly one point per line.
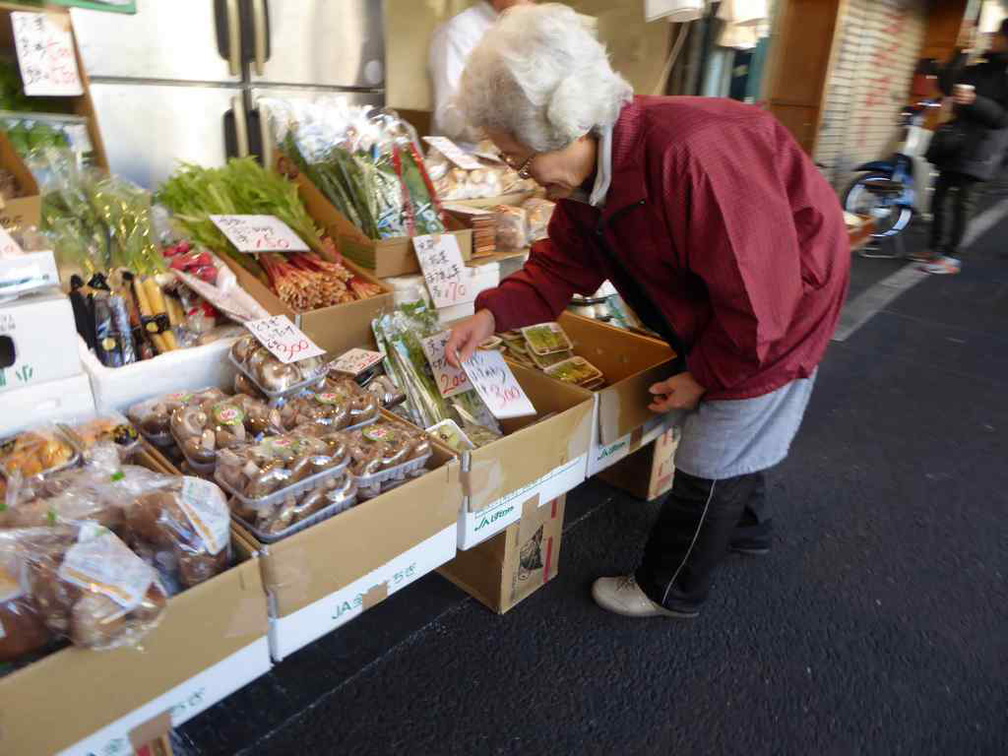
x=698, y=521
x=964, y=193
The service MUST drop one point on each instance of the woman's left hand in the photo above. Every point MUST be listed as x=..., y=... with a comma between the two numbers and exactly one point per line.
x=680, y=392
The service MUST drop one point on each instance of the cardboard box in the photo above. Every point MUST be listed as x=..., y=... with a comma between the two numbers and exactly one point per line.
x=27, y=209
x=647, y=473
x=38, y=340
x=326, y=575
x=211, y=641
x=510, y=567
x=53, y=401
x=630, y=363
x=383, y=257
x=335, y=329
x=178, y=370
x=81, y=105
x=537, y=458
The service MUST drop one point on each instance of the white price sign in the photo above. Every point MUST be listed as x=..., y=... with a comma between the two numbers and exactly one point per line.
x=259, y=233
x=497, y=385
x=356, y=361
x=453, y=152
x=285, y=340
x=445, y=273
x=450, y=381
x=45, y=53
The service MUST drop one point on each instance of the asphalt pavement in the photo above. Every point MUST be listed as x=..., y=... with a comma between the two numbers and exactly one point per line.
x=878, y=623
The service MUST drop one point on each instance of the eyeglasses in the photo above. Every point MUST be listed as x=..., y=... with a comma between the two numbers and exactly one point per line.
x=524, y=169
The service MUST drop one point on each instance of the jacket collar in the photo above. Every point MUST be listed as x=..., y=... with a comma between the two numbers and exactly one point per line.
x=629, y=179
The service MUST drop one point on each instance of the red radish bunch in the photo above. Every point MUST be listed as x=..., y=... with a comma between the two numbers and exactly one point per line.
x=195, y=262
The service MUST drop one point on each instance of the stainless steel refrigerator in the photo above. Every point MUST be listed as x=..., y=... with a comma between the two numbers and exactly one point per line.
x=179, y=80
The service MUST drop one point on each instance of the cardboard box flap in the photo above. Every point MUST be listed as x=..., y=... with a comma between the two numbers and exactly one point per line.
x=630, y=362
x=309, y=565
x=532, y=448
x=87, y=689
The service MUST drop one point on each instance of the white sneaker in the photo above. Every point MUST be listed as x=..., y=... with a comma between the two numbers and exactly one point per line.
x=944, y=266
x=623, y=596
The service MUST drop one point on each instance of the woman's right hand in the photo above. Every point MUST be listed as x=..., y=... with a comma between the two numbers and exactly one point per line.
x=468, y=335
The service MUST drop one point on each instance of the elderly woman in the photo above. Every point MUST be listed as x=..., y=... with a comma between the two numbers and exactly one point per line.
x=714, y=226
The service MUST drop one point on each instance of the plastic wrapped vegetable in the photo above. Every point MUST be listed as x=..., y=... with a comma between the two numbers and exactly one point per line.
x=112, y=428
x=278, y=463
x=153, y=416
x=271, y=376
x=84, y=583
x=37, y=451
x=343, y=404
x=201, y=430
x=181, y=528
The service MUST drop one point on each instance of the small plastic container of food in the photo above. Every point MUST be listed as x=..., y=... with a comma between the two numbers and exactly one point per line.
x=271, y=523
x=276, y=379
x=262, y=475
x=543, y=361
x=385, y=451
x=576, y=370
x=152, y=417
x=546, y=338
x=343, y=405
x=113, y=427
x=492, y=344
x=41, y=451
x=201, y=430
x=448, y=433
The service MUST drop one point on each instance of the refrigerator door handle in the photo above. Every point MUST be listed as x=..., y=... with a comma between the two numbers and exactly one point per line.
x=234, y=53
x=260, y=31
x=240, y=125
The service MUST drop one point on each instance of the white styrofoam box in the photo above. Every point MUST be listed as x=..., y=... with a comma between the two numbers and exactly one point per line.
x=476, y=527
x=64, y=400
x=38, y=340
x=184, y=701
x=195, y=368
x=600, y=457
x=288, y=634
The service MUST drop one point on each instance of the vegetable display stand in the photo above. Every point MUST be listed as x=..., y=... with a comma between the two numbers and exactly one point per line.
x=80, y=105
x=383, y=257
x=211, y=641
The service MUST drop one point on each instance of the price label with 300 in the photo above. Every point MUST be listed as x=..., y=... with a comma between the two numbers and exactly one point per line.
x=497, y=386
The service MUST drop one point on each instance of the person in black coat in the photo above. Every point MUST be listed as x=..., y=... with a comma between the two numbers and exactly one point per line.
x=972, y=149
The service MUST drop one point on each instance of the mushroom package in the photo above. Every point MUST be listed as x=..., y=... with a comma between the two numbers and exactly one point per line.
x=202, y=429
x=271, y=376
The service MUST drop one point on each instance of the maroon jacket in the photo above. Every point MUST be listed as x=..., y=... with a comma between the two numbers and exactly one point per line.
x=728, y=225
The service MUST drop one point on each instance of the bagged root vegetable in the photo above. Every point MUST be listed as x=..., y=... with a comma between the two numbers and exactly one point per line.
x=82, y=582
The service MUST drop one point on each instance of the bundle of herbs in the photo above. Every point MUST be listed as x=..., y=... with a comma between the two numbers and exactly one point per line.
x=303, y=281
x=365, y=162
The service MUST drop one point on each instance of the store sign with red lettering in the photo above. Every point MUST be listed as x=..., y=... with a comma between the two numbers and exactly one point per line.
x=450, y=381
x=45, y=53
x=259, y=233
x=284, y=340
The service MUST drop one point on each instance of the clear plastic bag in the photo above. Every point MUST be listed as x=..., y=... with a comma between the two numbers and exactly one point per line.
x=512, y=228
x=538, y=212
x=84, y=584
x=183, y=529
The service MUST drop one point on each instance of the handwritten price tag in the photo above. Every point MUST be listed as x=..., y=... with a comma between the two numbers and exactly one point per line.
x=453, y=152
x=356, y=361
x=450, y=381
x=259, y=233
x=497, y=385
x=446, y=276
x=285, y=340
x=45, y=54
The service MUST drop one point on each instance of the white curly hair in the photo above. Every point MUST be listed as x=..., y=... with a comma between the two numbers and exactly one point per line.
x=541, y=76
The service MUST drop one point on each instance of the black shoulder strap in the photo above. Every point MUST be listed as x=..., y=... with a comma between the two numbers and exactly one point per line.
x=641, y=302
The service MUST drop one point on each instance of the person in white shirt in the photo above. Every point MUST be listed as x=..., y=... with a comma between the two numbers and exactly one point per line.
x=449, y=50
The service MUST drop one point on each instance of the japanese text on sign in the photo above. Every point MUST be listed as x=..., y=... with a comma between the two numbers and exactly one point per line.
x=446, y=276
x=356, y=361
x=450, y=381
x=285, y=340
x=46, y=55
x=453, y=152
x=497, y=385
x=259, y=233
